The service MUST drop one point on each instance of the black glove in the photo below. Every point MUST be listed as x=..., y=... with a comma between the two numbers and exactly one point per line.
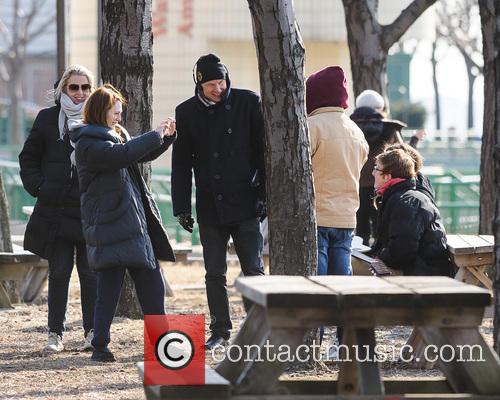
x=186, y=221
x=262, y=210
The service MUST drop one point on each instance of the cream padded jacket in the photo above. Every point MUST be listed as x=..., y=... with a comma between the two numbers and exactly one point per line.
x=339, y=151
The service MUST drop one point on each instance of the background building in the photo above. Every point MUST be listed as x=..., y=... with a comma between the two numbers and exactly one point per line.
x=186, y=29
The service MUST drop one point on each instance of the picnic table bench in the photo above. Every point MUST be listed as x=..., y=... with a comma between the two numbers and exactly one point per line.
x=446, y=311
x=472, y=254
x=27, y=269
x=181, y=252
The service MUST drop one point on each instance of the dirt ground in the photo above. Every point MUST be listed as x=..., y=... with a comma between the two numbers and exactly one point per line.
x=26, y=373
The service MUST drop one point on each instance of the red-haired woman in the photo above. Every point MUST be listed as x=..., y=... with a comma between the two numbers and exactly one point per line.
x=121, y=222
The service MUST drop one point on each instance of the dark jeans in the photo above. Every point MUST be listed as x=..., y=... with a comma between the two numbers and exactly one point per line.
x=248, y=245
x=60, y=268
x=366, y=216
x=150, y=291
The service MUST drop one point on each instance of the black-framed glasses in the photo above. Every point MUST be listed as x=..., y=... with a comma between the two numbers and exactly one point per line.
x=375, y=168
x=74, y=87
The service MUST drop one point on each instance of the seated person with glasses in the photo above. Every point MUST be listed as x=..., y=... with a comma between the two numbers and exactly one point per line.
x=410, y=235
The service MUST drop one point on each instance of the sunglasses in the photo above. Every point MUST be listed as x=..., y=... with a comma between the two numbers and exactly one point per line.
x=74, y=87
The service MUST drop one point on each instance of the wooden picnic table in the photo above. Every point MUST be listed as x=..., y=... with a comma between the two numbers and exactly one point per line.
x=447, y=312
x=472, y=254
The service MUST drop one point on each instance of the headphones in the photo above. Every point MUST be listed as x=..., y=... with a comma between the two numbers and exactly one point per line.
x=195, y=71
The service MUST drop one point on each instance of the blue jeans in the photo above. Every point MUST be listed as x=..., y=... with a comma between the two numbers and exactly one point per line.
x=334, y=258
x=334, y=251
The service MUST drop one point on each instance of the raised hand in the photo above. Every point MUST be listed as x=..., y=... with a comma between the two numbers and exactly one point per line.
x=167, y=127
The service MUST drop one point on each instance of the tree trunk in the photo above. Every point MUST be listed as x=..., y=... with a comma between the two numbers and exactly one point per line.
x=369, y=42
x=435, y=85
x=290, y=191
x=126, y=61
x=490, y=166
x=5, y=240
x=368, y=58
x=488, y=196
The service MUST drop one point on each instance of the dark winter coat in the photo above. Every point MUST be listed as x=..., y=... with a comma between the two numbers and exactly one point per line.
x=424, y=185
x=47, y=175
x=121, y=222
x=410, y=234
x=378, y=131
x=223, y=144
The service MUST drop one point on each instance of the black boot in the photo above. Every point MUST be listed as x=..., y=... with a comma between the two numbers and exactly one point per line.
x=103, y=354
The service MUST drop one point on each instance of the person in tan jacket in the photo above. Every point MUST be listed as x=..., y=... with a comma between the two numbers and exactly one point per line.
x=338, y=151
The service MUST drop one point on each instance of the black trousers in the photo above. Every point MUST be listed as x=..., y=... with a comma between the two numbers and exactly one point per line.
x=150, y=291
x=248, y=245
x=366, y=217
x=60, y=267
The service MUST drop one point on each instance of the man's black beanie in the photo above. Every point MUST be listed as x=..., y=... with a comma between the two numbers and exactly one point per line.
x=209, y=68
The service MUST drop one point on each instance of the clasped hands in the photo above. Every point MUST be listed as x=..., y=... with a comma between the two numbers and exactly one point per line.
x=166, y=127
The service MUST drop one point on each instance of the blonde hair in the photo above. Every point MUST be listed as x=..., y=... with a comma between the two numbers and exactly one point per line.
x=68, y=72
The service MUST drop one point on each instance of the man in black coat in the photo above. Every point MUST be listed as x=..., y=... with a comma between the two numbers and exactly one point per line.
x=220, y=137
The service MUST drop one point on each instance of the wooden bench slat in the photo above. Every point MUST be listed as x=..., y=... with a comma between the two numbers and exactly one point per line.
x=457, y=245
x=442, y=291
x=480, y=245
x=366, y=291
x=18, y=257
x=215, y=387
x=489, y=238
x=298, y=291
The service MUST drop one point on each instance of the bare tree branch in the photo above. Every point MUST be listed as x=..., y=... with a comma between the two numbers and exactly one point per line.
x=41, y=28
x=4, y=72
x=4, y=31
x=393, y=32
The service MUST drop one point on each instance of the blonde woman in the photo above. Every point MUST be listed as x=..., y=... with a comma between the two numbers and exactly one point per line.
x=54, y=230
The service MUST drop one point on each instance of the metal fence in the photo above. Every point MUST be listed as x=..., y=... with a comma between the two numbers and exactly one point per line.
x=457, y=197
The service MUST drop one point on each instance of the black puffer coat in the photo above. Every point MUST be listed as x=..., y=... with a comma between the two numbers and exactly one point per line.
x=223, y=144
x=47, y=175
x=121, y=222
x=410, y=234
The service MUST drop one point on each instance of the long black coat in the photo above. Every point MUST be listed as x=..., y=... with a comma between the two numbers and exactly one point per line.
x=223, y=144
x=410, y=234
x=121, y=222
x=47, y=175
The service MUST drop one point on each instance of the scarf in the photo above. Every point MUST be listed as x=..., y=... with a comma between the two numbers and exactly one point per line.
x=69, y=116
x=206, y=101
x=388, y=184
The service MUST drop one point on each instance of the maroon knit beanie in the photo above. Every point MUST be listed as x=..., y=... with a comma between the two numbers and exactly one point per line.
x=326, y=88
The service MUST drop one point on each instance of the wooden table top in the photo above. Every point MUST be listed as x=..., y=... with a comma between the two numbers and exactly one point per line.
x=470, y=244
x=325, y=292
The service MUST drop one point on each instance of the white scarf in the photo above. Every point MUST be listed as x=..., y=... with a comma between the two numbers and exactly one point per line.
x=70, y=118
x=70, y=115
